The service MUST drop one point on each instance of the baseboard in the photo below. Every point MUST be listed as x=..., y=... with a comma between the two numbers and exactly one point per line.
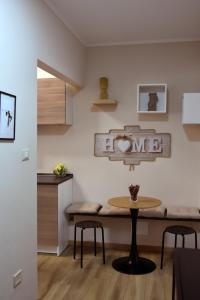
x=125, y=247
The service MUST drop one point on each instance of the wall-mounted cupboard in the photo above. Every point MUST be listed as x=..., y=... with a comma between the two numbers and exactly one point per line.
x=54, y=102
x=151, y=98
x=191, y=108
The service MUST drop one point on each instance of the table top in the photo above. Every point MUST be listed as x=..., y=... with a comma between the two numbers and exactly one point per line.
x=142, y=203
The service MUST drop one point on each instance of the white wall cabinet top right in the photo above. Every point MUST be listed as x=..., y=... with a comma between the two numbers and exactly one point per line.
x=191, y=108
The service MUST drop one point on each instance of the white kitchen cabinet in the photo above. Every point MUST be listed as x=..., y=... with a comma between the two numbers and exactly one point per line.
x=191, y=108
x=54, y=195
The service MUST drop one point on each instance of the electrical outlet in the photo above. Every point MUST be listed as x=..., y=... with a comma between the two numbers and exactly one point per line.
x=142, y=228
x=25, y=153
x=17, y=278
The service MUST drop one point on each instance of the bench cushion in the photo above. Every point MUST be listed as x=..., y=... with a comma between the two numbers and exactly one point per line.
x=112, y=210
x=183, y=212
x=158, y=212
x=83, y=207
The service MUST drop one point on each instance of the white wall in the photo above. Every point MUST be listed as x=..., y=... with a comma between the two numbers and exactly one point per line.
x=43, y=74
x=174, y=180
x=28, y=31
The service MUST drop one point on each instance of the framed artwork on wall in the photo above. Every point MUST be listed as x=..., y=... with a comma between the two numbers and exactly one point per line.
x=7, y=116
x=152, y=98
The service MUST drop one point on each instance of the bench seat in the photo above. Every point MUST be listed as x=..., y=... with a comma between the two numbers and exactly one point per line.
x=83, y=208
x=112, y=210
x=158, y=213
x=183, y=212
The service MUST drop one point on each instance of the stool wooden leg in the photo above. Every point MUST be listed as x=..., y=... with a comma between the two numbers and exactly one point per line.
x=74, y=241
x=82, y=248
x=183, y=244
x=162, y=251
x=175, y=244
x=95, y=242
x=195, y=239
x=102, y=230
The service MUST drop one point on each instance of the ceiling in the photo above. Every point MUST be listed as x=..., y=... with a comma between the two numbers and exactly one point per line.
x=118, y=22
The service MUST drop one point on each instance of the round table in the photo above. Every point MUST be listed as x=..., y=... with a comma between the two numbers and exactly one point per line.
x=133, y=264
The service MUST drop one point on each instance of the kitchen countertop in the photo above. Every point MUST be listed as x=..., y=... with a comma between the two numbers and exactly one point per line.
x=49, y=178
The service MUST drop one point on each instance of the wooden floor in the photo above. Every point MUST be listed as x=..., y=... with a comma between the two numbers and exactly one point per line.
x=60, y=278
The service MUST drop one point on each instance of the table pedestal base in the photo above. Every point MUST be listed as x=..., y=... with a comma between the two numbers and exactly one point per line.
x=142, y=266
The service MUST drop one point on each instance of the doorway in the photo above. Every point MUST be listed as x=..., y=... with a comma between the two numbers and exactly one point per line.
x=55, y=95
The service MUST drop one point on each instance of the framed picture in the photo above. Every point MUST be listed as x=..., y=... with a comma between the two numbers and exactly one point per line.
x=152, y=98
x=7, y=116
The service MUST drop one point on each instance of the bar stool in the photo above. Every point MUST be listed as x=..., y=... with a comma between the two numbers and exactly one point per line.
x=88, y=224
x=177, y=230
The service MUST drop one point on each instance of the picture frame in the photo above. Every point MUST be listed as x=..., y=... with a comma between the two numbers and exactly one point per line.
x=152, y=98
x=7, y=116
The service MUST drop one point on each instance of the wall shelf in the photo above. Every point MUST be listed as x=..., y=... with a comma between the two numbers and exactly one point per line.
x=152, y=98
x=105, y=102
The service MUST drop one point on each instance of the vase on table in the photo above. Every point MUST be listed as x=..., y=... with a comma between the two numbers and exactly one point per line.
x=134, y=189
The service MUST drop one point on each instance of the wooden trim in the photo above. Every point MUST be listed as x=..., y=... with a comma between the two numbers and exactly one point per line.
x=139, y=217
x=125, y=247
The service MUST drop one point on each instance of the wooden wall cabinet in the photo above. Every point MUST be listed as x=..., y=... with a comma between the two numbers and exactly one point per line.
x=54, y=102
x=52, y=224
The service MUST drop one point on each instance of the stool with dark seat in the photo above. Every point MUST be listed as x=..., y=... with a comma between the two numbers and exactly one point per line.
x=88, y=224
x=177, y=230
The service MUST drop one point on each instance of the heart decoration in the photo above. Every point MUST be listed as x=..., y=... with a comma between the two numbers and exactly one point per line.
x=124, y=145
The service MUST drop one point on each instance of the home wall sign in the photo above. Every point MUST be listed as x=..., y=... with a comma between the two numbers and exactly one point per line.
x=132, y=145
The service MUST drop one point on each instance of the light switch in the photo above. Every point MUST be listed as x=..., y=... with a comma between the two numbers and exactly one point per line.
x=142, y=228
x=17, y=278
x=25, y=154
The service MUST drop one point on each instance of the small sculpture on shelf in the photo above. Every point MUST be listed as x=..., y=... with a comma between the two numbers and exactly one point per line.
x=153, y=100
x=103, y=93
x=103, y=81
x=134, y=189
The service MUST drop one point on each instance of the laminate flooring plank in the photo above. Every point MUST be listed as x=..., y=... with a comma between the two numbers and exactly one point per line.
x=61, y=278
